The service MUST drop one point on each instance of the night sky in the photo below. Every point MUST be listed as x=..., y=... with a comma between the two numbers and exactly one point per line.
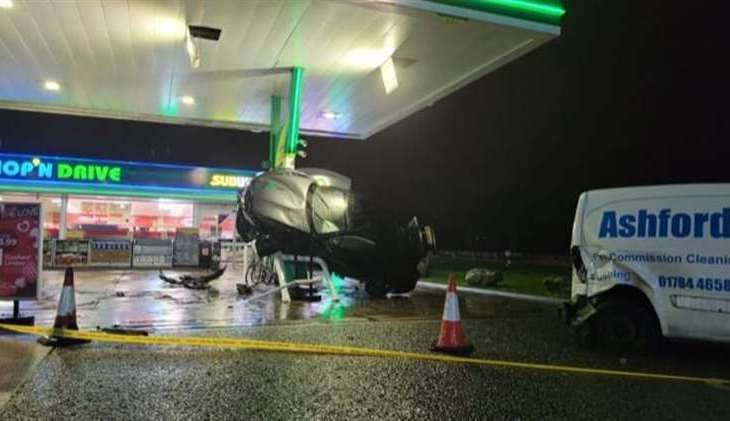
x=633, y=92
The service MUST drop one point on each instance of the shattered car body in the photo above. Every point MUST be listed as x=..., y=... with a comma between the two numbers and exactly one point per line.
x=313, y=212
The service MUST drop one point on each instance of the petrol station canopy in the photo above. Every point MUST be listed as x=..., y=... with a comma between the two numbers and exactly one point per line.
x=366, y=64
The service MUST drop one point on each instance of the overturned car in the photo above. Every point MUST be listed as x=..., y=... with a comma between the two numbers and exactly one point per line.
x=313, y=212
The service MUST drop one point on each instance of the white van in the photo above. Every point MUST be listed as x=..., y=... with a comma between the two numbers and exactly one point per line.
x=651, y=261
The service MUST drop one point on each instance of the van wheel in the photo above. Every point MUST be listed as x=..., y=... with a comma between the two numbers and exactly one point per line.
x=625, y=326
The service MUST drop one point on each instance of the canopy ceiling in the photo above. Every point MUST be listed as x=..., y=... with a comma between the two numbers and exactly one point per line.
x=129, y=59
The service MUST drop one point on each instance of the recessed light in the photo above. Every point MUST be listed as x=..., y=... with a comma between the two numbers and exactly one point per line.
x=6, y=4
x=169, y=28
x=330, y=115
x=188, y=100
x=51, y=85
x=367, y=58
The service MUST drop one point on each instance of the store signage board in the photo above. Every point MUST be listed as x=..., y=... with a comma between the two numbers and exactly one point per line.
x=20, y=251
x=75, y=234
x=74, y=175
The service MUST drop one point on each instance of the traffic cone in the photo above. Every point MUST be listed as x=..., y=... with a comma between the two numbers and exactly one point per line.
x=451, y=339
x=66, y=314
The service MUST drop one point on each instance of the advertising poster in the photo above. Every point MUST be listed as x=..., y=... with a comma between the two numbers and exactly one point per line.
x=20, y=242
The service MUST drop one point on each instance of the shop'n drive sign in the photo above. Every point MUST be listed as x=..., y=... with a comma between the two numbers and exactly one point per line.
x=57, y=173
x=35, y=168
x=20, y=241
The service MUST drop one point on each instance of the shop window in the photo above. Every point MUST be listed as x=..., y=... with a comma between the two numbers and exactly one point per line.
x=160, y=218
x=216, y=220
x=50, y=205
x=115, y=218
x=98, y=217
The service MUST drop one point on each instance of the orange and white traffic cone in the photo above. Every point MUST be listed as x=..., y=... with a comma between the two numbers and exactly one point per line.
x=66, y=314
x=451, y=339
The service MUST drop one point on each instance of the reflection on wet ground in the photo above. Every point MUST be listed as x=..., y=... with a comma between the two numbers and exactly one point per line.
x=513, y=329
x=139, y=299
x=499, y=328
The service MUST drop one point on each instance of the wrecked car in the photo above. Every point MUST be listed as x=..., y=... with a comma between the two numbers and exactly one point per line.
x=314, y=212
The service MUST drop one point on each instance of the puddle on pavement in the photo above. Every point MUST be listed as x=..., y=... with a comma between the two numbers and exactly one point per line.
x=140, y=298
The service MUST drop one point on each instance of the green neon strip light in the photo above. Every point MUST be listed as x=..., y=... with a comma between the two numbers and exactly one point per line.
x=134, y=191
x=295, y=99
x=545, y=11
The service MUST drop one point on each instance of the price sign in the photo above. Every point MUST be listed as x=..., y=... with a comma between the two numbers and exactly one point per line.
x=20, y=250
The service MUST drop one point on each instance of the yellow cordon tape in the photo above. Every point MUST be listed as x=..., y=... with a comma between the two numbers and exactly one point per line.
x=250, y=344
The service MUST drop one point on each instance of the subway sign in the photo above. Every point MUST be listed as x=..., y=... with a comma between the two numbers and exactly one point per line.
x=49, y=173
x=228, y=180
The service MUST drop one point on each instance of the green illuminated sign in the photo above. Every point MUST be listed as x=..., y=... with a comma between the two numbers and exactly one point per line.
x=14, y=166
x=47, y=174
x=92, y=172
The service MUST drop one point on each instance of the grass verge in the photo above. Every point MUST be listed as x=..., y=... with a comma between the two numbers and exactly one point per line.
x=521, y=278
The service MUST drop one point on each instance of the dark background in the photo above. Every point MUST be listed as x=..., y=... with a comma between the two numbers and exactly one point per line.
x=633, y=92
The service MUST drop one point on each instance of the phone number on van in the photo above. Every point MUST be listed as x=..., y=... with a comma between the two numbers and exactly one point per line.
x=706, y=284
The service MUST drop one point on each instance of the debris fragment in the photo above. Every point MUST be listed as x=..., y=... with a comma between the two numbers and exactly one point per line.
x=193, y=282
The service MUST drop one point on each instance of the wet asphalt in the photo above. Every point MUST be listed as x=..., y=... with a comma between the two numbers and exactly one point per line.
x=108, y=381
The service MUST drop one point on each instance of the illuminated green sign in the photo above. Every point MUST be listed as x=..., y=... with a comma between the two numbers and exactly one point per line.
x=36, y=168
x=81, y=172
x=72, y=175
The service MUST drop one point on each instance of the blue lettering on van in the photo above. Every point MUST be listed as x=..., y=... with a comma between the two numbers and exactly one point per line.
x=704, y=284
x=665, y=223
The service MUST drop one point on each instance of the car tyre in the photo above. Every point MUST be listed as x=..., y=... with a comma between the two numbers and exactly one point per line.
x=404, y=287
x=376, y=288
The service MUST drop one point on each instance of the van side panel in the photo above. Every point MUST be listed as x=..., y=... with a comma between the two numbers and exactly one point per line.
x=672, y=242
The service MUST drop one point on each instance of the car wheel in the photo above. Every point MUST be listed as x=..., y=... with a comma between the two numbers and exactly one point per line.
x=376, y=288
x=404, y=286
x=625, y=327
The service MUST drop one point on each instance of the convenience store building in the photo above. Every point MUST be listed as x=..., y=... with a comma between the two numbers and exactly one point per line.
x=97, y=212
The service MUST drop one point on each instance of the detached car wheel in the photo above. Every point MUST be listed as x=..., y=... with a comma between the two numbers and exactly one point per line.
x=625, y=326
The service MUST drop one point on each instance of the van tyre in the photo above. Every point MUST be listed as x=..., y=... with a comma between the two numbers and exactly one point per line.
x=623, y=326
